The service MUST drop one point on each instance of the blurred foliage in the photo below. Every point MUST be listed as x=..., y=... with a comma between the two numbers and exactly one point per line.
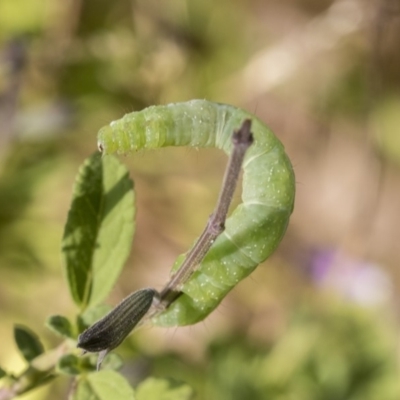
x=386, y=118
x=338, y=352
x=323, y=74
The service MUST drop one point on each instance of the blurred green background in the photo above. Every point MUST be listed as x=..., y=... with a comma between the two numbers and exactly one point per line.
x=319, y=319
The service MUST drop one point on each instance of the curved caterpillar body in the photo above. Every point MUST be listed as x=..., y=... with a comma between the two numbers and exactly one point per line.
x=255, y=227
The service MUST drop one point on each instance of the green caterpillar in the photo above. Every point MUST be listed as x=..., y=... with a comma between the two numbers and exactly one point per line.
x=256, y=226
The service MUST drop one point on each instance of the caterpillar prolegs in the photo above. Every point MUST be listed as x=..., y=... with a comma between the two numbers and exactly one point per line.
x=255, y=227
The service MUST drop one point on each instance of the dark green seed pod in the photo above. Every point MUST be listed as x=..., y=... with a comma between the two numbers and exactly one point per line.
x=110, y=331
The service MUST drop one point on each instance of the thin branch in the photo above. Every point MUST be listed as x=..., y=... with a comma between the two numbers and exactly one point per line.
x=242, y=140
x=40, y=371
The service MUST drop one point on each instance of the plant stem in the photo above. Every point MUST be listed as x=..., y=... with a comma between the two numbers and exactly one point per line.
x=40, y=371
x=242, y=140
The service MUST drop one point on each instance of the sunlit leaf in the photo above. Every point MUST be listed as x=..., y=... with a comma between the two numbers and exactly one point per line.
x=103, y=385
x=163, y=389
x=99, y=229
x=112, y=361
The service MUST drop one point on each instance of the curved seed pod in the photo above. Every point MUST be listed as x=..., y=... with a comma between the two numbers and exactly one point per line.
x=255, y=227
x=109, y=332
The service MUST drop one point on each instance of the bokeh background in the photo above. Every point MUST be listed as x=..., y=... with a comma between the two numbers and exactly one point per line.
x=320, y=318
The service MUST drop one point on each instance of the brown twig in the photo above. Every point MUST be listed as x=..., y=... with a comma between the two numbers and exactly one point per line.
x=242, y=140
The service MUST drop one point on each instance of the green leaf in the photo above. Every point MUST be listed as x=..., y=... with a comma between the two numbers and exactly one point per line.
x=112, y=361
x=103, y=385
x=28, y=342
x=163, y=389
x=2, y=373
x=70, y=364
x=99, y=230
x=61, y=326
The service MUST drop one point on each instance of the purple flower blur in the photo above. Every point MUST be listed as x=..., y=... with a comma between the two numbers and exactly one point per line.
x=355, y=280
